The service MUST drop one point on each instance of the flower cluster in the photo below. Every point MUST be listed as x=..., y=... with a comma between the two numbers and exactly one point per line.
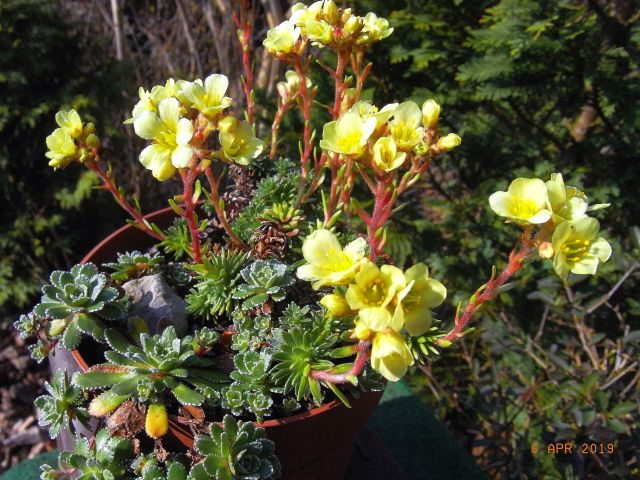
x=324, y=24
x=387, y=138
x=72, y=141
x=567, y=233
x=385, y=302
x=179, y=118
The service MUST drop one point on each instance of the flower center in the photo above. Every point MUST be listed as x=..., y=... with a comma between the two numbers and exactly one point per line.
x=376, y=292
x=575, y=250
x=524, y=208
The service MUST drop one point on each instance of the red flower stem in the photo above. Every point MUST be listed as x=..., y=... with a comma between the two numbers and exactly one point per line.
x=521, y=251
x=341, y=85
x=245, y=26
x=110, y=185
x=360, y=73
x=275, y=127
x=215, y=199
x=360, y=362
x=188, y=179
x=382, y=209
x=307, y=101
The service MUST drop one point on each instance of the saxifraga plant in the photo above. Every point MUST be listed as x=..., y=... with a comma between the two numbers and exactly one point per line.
x=235, y=451
x=102, y=458
x=74, y=303
x=263, y=280
x=163, y=363
x=134, y=264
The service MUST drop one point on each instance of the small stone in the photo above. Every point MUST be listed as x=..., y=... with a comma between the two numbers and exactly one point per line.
x=155, y=301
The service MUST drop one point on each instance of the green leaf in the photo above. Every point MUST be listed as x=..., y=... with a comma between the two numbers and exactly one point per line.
x=117, y=341
x=71, y=336
x=187, y=396
x=621, y=409
x=91, y=380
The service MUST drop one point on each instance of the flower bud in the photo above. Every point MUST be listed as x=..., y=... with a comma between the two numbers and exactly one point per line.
x=105, y=403
x=361, y=332
x=92, y=141
x=449, y=142
x=336, y=304
x=57, y=327
x=430, y=114
x=545, y=250
x=157, y=421
x=421, y=149
x=89, y=128
x=227, y=124
x=330, y=12
x=353, y=26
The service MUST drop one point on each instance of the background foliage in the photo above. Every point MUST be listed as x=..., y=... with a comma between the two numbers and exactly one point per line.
x=532, y=86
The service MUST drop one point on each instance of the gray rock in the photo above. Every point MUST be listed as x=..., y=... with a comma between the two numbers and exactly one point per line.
x=155, y=301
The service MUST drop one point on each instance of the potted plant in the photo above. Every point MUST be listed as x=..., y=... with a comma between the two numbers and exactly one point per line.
x=260, y=315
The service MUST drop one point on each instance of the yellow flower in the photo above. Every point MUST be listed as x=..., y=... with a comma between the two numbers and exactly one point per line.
x=390, y=355
x=578, y=248
x=567, y=203
x=525, y=202
x=449, y=142
x=375, y=29
x=372, y=292
x=405, y=126
x=347, y=135
x=149, y=100
x=62, y=149
x=208, y=97
x=415, y=301
x=430, y=113
x=171, y=135
x=70, y=122
x=300, y=13
x=327, y=262
x=291, y=86
x=157, y=421
x=282, y=39
x=366, y=111
x=319, y=32
x=386, y=156
x=336, y=304
x=239, y=144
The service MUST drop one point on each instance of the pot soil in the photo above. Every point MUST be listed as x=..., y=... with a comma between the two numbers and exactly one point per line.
x=314, y=445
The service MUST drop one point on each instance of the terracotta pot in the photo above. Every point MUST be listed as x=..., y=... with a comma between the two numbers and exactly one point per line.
x=315, y=445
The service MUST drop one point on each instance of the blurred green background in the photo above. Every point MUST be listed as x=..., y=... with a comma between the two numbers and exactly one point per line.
x=532, y=86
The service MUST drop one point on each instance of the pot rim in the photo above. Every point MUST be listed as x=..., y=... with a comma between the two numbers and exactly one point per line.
x=84, y=366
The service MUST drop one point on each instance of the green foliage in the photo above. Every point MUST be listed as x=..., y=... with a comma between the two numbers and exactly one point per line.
x=42, y=228
x=75, y=302
x=235, y=451
x=102, y=459
x=277, y=189
x=252, y=332
x=250, y=390
x=216, y=280
x=296, y=352
x=162, y=363
x=204, y=340
x=263, y=280
x=177, y=243
x=151, y=469
x=61, y=405
x=134, y=264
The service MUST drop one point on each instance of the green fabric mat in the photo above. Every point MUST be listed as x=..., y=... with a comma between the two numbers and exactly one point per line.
x=422, y=446
x=30, y=469
x=417, y=440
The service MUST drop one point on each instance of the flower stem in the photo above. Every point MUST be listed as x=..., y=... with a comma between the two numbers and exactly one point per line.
x=307, y=101
x=188, y=179
x=362, y=357
x=110, y=185
x=245, y=27
x=215, y=199
x=275, y=127
x=521, y=251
